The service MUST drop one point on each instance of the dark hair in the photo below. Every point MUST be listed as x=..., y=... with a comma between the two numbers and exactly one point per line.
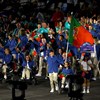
x=30, y=57
x=27, y=53
x=10, y=35
x=86, y=56
x=51, y=50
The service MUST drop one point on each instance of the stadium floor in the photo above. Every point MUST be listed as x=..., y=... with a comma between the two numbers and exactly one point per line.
x=41, y=92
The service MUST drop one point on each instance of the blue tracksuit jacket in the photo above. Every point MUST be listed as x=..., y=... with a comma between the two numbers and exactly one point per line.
x=30, y=63
x=53, y=64
x=67, y=71
x=11, y=44
x=7, y=58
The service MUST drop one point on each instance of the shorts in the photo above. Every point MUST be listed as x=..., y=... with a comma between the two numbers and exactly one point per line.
x=88, y=75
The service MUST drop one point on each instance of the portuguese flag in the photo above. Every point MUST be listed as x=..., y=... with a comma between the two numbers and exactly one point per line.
x=37, y=38
x=78, y=35
x=19, y=42
x=33, y=52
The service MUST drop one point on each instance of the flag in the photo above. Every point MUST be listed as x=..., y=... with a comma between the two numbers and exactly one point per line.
x=33, y=34
x=19, y=42
x=78, y=35
x=69, y=54
x=33, y=52
x=37, y=38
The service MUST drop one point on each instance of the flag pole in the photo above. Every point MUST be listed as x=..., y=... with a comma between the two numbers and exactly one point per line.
x=67, y=52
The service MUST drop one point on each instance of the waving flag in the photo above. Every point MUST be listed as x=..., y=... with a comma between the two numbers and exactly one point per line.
x=33, y=52
x=80, y=34
x=37, y=38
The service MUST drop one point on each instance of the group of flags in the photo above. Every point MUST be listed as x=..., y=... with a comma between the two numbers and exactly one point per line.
x=77, y=35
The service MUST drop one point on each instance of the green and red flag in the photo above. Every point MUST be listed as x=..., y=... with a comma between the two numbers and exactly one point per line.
x=33, y=52
x=19, y=42
x=78, y=35
x=37, y=38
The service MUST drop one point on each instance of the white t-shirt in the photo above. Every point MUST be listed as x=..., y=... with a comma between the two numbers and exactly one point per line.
x=85, y=66
x=28, y=65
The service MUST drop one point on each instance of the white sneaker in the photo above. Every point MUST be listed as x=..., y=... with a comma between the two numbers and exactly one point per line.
x=22, y=78
x=67, y=86
x=84, y=91
x=27, y=78
x=46, y=77
x=62, y=86
x=94, y=79
x=52, y=90
x=57, y=88
x=87, y=91
x=38, y=74
x=5, y=76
